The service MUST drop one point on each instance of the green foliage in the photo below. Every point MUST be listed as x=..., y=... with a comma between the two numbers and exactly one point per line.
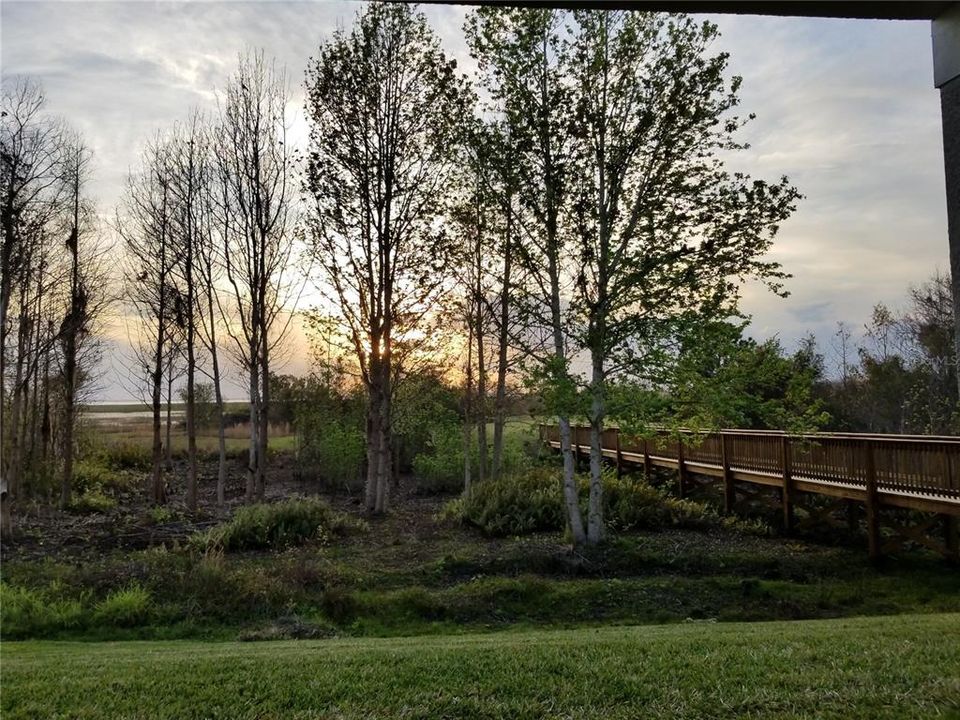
x=532, y=502
x=275, y=525
x=124, y=456
x=26, y=612
x=722, y=379
x=334, y=451
x=439, y=468
x=94, y=475
x=424, y=405
x=126, y=607
x=516, y=504
x=91, y=501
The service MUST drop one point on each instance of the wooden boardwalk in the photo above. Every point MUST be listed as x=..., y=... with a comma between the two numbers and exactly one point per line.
x=879, y=472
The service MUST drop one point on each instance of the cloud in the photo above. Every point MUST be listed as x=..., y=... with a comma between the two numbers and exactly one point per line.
x=846, y=108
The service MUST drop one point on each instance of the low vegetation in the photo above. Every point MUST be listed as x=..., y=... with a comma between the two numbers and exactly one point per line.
x=277, y=525
x=531, y=501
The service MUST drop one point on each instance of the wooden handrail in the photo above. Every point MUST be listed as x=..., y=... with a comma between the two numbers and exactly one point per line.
x=903, y=464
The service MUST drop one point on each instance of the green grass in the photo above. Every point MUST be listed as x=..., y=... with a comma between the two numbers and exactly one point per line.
x=903, y=667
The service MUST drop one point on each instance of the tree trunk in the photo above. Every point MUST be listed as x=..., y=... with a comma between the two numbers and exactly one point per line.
x=597, y=408
x=169, y=427
x=191, y=416
x=571, y=497
x=373, y=438
x=468, y=414
x=481, y=414
x=251, y=490
x=383, y=461
x=263, y=436
x=500, y=408
x=218, y=395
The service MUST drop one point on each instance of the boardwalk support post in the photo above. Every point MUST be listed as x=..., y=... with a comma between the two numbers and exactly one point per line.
x=951, y=525
x=646, y=459
x=787, y=463
x=619, y=455
x=872, y=502
x=729, y=493
x=681, y=469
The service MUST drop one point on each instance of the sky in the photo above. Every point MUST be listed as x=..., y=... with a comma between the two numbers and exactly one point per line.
x=845, y=108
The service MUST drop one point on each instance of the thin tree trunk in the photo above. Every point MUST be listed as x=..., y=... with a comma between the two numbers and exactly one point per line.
x=595, y=506
x=500, y=407
x=251, y=491
x=263, y=436
x=468, y=414
x=218, y=396
x=169, y=421
x=383, y=464
x=481, y=414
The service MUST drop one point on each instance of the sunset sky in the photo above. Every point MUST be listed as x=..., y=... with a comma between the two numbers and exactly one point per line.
x=846, y=108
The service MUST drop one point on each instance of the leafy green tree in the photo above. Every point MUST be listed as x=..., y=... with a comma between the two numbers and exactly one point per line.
x=386, y=108
x=664, y=234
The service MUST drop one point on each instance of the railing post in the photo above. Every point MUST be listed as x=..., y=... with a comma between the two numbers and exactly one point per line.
x=646, y=459
x=787, y=465
x=577, y=459
x=619, y=454
x=872, y=503
x=729, y=493
x=681, y=468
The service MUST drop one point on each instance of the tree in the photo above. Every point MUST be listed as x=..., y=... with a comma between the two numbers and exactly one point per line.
x=385, y=107
x=145, y=224
x=255, y=177
x=31, y=185
x=518, y=52
x=663, y=233
x=189, y=176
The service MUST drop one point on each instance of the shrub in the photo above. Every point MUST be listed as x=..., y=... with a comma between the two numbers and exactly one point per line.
x=275, y=525
x=32, y=613
x=96, y=474
x=335, y=451
x=532, y=501
x=126, y=456
x=91, y=501
x=516, y=504
x=440, y=468
x=127, y=607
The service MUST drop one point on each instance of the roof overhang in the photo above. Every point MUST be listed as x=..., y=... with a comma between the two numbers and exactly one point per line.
x=891, y=10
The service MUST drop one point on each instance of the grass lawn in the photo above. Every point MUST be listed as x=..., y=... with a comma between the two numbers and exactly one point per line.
x=882, y=667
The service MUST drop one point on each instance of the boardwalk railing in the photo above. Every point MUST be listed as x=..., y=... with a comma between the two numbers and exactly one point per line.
x=908, y=471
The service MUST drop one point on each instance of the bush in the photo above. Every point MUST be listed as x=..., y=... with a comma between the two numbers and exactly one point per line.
x=440, y=468
x=32, y=613
x=127, y=607
x=126, y=456
x=335, y=451
x=516, y=504
x=532, y=501
x=96, y=474
x=91, y=501
x=275, y=525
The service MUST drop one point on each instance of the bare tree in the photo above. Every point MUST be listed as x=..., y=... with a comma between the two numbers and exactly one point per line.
x=188, y=161
x=145, y=224
x=31, y=144
x=86, y=300
x=255, y=171
x=385, y=106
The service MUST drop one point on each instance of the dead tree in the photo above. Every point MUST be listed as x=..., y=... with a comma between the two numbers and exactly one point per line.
x=254, y=168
